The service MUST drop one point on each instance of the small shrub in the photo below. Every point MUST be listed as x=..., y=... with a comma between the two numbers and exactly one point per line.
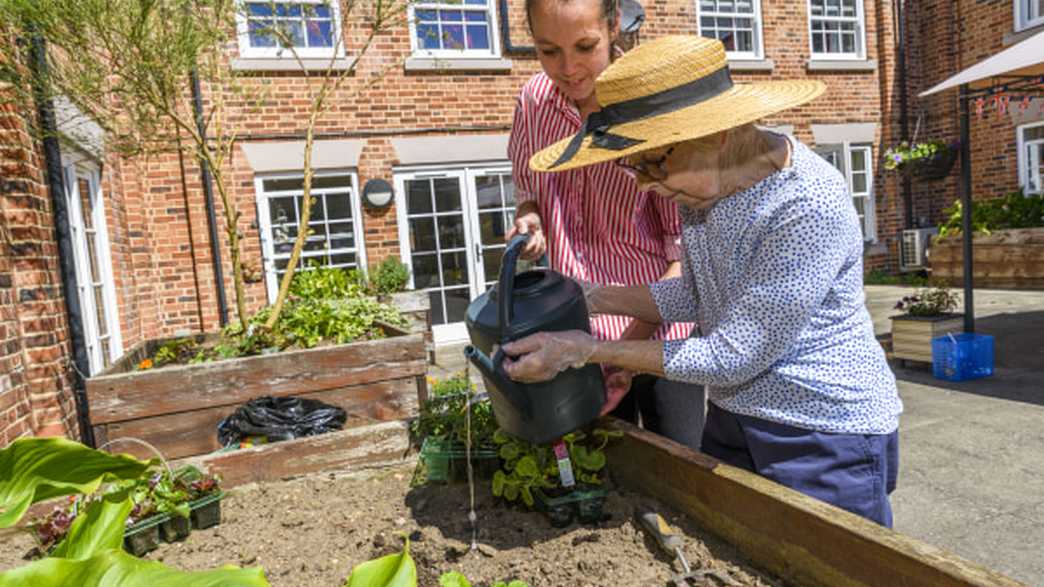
x=389, y=276
x=934, y=301
x=1014, y=210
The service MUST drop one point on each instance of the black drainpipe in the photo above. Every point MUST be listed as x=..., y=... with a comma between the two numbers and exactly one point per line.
x=66, y=260
x=208, y=196
x=505, y=34
x=904, y=117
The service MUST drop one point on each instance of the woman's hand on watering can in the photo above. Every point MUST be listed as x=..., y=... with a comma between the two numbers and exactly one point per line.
x=541, y=356
x=527, y=221
x=617, y=384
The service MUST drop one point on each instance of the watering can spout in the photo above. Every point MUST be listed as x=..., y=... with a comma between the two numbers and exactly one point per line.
x=492, y=370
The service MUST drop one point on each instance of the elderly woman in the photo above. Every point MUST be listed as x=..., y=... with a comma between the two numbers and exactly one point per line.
x=799, y=389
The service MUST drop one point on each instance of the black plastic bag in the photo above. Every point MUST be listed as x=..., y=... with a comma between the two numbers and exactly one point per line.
x=280, y=418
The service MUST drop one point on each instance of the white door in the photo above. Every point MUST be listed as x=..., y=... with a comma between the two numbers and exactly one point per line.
x=94, y=281
x=452, y=224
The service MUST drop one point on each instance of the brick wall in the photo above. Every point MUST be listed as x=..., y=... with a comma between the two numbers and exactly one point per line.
x=35, y=383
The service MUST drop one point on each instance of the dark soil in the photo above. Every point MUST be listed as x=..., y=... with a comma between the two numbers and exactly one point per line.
x=312, y=531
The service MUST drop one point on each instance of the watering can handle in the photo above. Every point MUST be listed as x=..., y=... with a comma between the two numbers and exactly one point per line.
x=507, y=284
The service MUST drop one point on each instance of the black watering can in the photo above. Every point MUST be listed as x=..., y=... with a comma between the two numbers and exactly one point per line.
x=517, y=306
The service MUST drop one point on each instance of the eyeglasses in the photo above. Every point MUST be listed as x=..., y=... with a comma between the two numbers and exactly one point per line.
x=654, y=169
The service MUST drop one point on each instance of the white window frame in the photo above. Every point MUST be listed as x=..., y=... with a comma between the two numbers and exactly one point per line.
x=759, y=44
x=75, y=166
x=860, y=19
x=248, y=52
x=264, y=221
x=465, y=173
x=1024, y=162
x=1024, y=18
x=869, y=207
x=494, y=32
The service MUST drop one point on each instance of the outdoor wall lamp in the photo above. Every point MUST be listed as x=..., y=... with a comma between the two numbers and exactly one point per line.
x=378, y=194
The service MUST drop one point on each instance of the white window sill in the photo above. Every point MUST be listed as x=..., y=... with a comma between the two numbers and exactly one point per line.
x=457, y=64
x=1018, y=36
x=842, y=65
x=751, y=64
x=291, y=64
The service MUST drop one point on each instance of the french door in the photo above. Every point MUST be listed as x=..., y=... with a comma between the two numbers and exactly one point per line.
x=452, y=223
x=94, y=280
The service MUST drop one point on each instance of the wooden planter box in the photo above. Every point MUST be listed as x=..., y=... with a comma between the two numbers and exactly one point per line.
x=177, y=409
x=1006, y=259
x=801, y=540
x=912, y=335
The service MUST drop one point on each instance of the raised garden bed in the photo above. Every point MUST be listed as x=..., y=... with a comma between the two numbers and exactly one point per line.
x=177, y=409
x=1004, y=259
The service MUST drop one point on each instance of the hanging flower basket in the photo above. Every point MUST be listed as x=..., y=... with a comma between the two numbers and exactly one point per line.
x=930, y=160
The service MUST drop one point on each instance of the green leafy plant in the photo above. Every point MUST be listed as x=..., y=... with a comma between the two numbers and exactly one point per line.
x=389, y=276
x=906, y=156
x=527, y=467
x=882, y=277
x=934, y=301
x=37, y=469
x=1013, y=210
x=444, y=413
x=393, y=570
x=457, y=579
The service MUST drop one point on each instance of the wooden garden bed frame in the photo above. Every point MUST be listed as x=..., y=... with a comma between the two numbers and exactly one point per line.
x=799, y=539
x=1005, y=259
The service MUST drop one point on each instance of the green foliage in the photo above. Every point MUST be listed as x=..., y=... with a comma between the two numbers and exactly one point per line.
x=882, y=277
x=905, y=155
x=528, y=466
x=38, y=469
x=35, y=469
x=514, y=583
x=444, y=414
x=389, y=276
x=1013, y=210
x=326, y=283
x=933, y=301
x=393, y=570
x=456, y=579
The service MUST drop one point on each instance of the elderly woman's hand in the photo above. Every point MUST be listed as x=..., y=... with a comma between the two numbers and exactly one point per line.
x=543, y=355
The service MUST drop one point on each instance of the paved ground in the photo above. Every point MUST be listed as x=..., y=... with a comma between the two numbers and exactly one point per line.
x=972, y=453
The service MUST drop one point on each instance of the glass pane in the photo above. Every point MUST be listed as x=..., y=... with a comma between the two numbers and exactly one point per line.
x=346, y=242
x=422, y=234
x=259, y=9
x=478, y=37
x=261, y=33
x=99, y=309
x=509, y=190
x=286, y=184
x=330, y=181
x=86, y=202
x=292, y=32
x=817, y=43
x=281, y=210
x=453, y=36
x=320, y=33
x=427, y=15
x=451, y=16
x=745, y=41
x=491, y=257
x=455, y=269
x=860, y=206
x=487, y=189
x=106, y=353
x=491, y=227
x=437, y=315
x=425, y=272
x=343, y=260
x=338, y=207
x=287, y=9
x=1033, y=133
x=457, y=301
x=707, y=5
x=858, y=160
x=318, y=211
x=418, y=196
x=447, y=194
x=428, y=36
x=859, y=183
x=451, y=232
x=92, y=257
x=475, y=16
x=340, y=228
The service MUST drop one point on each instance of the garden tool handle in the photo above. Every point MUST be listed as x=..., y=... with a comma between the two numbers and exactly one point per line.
x=661, y=531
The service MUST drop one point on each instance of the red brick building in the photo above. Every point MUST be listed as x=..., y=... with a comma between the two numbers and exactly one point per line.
x=435, y=128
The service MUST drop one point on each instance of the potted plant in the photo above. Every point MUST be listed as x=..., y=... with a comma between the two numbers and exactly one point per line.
x=442, y=430
x=928, y=160
x=926, y=315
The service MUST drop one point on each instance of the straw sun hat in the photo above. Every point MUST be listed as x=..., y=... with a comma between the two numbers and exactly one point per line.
x=668, y=90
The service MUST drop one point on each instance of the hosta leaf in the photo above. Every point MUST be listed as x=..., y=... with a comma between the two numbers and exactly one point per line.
x=37, y=469
x=527, y=468
x=454, y=579
x=394, y=570
x=116, y=568
x=96, y=529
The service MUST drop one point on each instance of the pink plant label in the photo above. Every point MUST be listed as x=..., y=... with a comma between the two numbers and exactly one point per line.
x=565, y=468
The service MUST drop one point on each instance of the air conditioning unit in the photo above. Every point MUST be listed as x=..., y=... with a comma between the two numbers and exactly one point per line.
x=913, y=243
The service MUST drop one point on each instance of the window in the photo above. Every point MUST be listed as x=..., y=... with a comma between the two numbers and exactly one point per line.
x=854, y=162
x=464, y=28
x=1028, y=14
x=1031, y=161
x=736, y=23
x=452, y=223
x=310, y=26
x=337, y=237
x=836, y=29
x=91, y=254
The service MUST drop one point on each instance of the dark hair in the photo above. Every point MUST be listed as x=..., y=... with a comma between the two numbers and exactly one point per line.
x=608, y=11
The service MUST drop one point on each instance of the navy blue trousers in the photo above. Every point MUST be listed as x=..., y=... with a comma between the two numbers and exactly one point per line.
x=855, y=472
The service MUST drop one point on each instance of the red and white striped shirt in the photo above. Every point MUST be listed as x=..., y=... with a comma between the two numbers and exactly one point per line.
x=600, y=228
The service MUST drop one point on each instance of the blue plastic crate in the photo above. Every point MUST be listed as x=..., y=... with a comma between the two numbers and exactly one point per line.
x=959, y=357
